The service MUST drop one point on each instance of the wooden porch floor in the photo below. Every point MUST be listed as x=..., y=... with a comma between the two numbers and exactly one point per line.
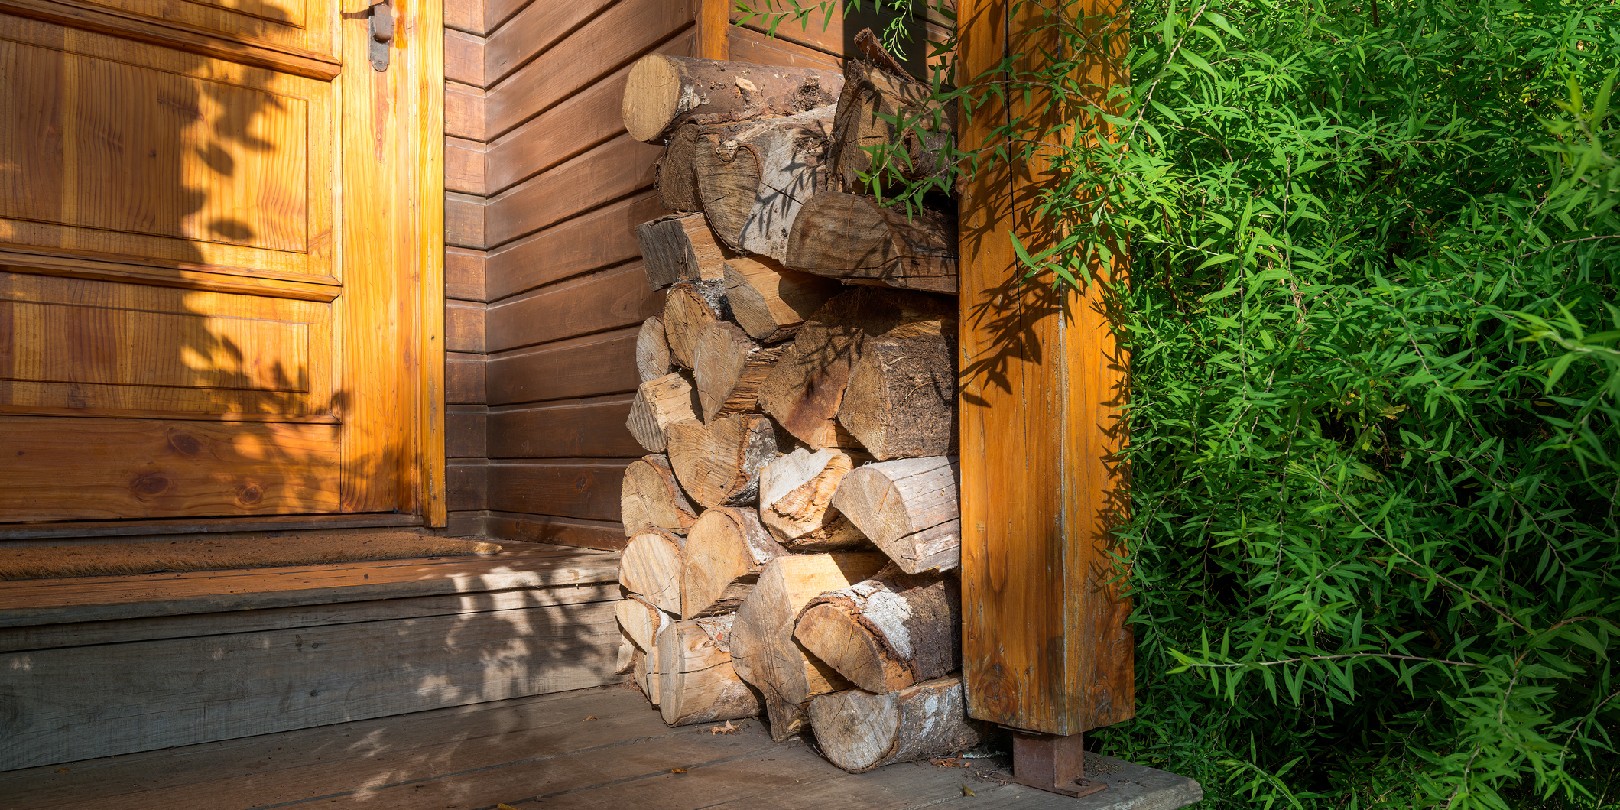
x=591, y=748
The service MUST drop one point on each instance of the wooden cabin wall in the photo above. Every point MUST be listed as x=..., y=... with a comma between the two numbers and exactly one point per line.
x=544, y=274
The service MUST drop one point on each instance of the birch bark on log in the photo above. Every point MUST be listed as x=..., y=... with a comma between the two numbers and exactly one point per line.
x=718, y=464
x=652, y=350
x=663, y=92
x=680, y=247
x=795, y=500
x=752, y=178
x=651, y=567
x=729, y=367
x=697, y=682
x=910, y=508
x=856, y=238
x=651, y=498
x=659, y=403
x=888, y=632
x=768, y=301
x=859, y=731
x=725, y=551
x=762, y=645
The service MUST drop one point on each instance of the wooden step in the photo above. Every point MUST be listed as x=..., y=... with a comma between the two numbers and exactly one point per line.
x=98, y=666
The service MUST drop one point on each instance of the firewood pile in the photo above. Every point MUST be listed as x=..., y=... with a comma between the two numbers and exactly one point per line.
x=795, y=529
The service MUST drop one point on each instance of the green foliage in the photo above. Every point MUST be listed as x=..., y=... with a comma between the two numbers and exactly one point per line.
x=1375, y=388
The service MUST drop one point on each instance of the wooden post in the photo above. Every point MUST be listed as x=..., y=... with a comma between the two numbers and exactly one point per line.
x=1045, y=647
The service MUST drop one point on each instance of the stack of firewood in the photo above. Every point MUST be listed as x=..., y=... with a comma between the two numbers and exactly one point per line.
x=795, y=531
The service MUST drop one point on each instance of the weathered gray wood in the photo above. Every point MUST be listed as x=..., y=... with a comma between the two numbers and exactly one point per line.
x=641, y=621
x=663, y=92
x=910, y=508
x=859, y=731
x=680, y=247
x=888, y=108
x=901, y=399
x=659, y=403
x=697, y=683
x=752, y=178
x=886, y=633
x=651, y=568
x=728, y=367
x=652, y=350
x=795, y=500
x=855, y=238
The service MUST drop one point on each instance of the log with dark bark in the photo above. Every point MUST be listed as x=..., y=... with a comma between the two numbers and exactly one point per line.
x=901, y=399
x=652, y=350
x=680, y=247
x=752, y=178
x=888, y=632
x=659, y=403
x=805, y=389
x=859, y=731
x=890, y=109
x=688, y=308
x=676, y=181
x=795, y=500
x=663, y=92
x=728, y=367
x=855, y=238
x=725, y=551
x=651, y=566
x=651, y=498
x=718, y=464
x=697, y=682
x=910, y=509
x=762, y=645
x=768, y=301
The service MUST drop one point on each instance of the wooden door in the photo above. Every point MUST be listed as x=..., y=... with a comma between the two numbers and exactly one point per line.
x=220, y=242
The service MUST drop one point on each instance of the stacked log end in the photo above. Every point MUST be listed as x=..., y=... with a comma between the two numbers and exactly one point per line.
x=795, y=527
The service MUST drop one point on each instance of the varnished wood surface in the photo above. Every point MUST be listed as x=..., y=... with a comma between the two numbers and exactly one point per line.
x=1045, y=647
x=593, y=748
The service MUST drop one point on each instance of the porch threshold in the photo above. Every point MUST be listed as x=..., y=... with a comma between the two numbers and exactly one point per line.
x=589, y=748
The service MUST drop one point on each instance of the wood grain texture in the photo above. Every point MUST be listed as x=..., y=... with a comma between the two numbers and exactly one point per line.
x=466, y=485
x=1045, y=643
x=464, y=166
x=748, y=45
x=612, y=39
x=464, y=111
x=464, y=58
x=464, y=327
x=586, y=489
x=713, y=21
x=618, y=168
x=562, y=531
x=534, y=29
x=464, y=378
x=466, y=432
x=579, y=367
x=465, y=220
x=464, y=271
x=610, y=299
x=583, y=429
x=465, y=15
x=591, y=241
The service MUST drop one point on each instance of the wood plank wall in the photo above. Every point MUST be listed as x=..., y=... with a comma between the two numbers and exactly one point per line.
x=544, y=274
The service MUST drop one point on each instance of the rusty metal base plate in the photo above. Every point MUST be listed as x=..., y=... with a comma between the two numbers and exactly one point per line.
x=1052, y=763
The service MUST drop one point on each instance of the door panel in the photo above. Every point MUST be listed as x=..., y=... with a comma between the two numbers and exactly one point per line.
x=213, y=262
x=143, y=154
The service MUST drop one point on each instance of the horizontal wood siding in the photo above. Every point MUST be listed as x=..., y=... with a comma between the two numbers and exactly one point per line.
x=563, y=281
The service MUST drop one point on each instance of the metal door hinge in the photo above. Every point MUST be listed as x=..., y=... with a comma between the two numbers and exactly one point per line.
x=381, y=26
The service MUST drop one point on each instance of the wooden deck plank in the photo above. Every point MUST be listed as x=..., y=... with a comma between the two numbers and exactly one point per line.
x=38, y=602
x=541, y=752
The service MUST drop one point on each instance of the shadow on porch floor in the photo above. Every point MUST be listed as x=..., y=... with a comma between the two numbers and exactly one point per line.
x=590, y=748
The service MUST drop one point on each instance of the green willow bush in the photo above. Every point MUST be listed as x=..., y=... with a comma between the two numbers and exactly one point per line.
x=1374, y=316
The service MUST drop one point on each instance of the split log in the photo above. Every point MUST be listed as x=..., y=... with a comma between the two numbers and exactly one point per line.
x=651, y=498
x=795, y=500
x=663, y=92
x=652, y=350
x=688, y=308
x=644, y=670
x=762, y=645
x=641, y=621
x=882, y=107
x=856, y=238
x=680, y=247
x=651, y=567
x=858, y=731
x=718, y=464
x=769, y=301
x=697, y=682
x=752, y=178
x=725, y=551
x=901, y=399
x=910, y=509
x=888, y=632
x=674, y=176
x=729, y=367
x=659, y=403
x=806, y=388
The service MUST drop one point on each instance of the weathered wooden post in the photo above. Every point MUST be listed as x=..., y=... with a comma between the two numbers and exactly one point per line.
x=1045, y=647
